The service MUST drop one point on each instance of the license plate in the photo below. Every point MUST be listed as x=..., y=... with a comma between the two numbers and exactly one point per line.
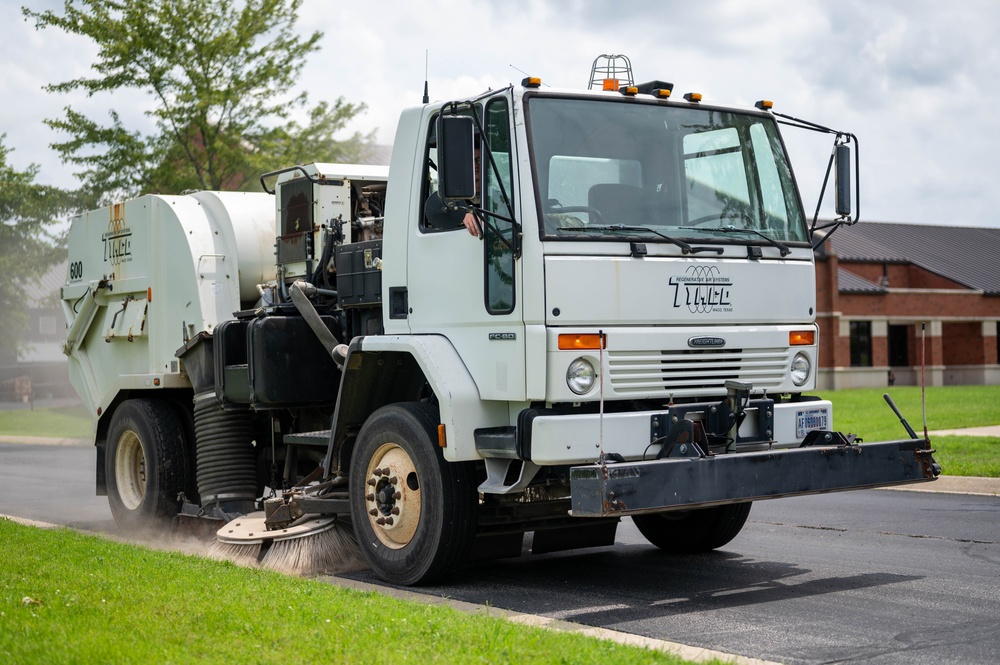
x=807, y=421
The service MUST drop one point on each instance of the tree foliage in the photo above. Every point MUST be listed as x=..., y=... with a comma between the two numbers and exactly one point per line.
x=219, y=74
x=28, y=245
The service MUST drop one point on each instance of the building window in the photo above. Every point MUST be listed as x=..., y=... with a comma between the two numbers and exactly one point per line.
x=861, y=343
x=899, y=346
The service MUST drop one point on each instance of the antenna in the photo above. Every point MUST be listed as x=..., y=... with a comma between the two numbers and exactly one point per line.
x=923, y=377
x=427, y=98
x=525, y=73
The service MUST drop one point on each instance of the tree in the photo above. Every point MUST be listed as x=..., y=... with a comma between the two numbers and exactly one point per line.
x=219, y=72
x=28, y=246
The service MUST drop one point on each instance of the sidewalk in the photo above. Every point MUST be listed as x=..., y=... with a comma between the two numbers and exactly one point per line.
x=53, y=402
x=991, y=430
x=43, y=440
x=955, y=485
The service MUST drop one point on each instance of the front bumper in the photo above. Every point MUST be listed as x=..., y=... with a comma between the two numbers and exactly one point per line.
x=628, y=488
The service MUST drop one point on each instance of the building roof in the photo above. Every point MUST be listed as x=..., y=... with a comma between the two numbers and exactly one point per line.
x=848, y=282
x=43, y=292
x=967, y=255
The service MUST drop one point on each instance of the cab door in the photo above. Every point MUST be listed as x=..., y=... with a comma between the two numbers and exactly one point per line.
x=467, y=288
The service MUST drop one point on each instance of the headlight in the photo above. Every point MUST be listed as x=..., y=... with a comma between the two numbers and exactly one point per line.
x=800, y=368
x=580, y=376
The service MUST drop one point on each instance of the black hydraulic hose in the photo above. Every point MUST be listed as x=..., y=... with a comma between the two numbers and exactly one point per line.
x=301, y=301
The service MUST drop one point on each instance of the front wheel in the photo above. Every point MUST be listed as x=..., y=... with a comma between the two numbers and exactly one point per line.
x=146, y=464
x=693, y=531
x=414, y=513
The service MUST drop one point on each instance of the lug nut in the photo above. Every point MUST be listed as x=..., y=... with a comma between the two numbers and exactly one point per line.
x=371, y=481
x=380, y=521
x=373, y=512
x=377, y=473
x=394, y=480
x=369, y=497
x=395, y=511
x=388, y=521
x=386, y=471
x=397, y=496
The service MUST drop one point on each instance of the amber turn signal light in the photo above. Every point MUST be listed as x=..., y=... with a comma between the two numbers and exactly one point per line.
x=581, y=342
x=802, y=338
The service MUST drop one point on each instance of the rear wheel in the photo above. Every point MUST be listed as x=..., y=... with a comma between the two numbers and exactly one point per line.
x=414, y=513
x=693, y=531
x=146, y=464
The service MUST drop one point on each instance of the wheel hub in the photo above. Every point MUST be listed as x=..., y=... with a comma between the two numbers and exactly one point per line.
x=385, y=495
x=130, y=470
x=393, y=498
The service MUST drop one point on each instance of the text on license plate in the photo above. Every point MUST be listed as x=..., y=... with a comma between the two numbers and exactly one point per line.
x=807, y=421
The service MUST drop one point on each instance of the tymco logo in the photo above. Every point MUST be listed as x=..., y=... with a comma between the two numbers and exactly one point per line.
x=702, y=290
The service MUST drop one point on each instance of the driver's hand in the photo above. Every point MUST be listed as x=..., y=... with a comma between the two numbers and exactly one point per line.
x=472, y=225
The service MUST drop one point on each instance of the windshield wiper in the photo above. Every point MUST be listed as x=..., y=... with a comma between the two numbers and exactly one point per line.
x=782, y=247
x=685, y=248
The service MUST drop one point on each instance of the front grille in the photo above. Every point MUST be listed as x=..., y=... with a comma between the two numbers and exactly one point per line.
x=689, y=372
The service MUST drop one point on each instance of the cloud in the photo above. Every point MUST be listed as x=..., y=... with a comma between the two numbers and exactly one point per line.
x=914, y=79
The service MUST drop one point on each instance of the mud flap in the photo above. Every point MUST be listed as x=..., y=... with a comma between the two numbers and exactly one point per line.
x=694, y=482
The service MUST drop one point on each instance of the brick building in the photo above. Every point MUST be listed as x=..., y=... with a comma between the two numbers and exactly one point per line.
x=889, y=295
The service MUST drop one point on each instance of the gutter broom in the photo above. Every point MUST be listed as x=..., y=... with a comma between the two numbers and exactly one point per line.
x=285, y=539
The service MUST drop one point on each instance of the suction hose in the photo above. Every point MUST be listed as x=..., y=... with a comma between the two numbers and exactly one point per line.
x=225, y=460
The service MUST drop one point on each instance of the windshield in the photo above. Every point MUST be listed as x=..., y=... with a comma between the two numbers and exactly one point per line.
x=695, y=173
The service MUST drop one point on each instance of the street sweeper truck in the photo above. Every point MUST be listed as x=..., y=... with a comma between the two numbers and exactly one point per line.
x=553, y=310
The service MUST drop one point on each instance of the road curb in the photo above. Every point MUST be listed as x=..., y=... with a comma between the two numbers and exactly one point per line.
x=27, y=522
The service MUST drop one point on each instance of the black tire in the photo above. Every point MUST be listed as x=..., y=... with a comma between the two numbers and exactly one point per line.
x=425, y=508
x=693, y=531
x=147, y=464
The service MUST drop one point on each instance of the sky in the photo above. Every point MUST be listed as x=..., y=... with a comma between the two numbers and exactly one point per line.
x=917, y=81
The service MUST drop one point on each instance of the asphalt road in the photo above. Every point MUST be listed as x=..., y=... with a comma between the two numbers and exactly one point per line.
x=872, y=577
x=868, y=577
x=53, y=484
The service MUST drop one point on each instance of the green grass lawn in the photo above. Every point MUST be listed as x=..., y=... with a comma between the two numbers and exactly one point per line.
x=67, y=597
x=62, y=423
x=864, y=412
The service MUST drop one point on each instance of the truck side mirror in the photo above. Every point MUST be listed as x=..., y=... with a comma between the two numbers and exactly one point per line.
x=456, y=157
x=843, y=180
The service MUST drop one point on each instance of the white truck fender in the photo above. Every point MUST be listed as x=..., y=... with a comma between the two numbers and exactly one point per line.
x=461, y=408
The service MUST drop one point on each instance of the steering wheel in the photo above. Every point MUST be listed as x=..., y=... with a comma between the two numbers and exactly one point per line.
x=706, y=218
x=593, y=212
